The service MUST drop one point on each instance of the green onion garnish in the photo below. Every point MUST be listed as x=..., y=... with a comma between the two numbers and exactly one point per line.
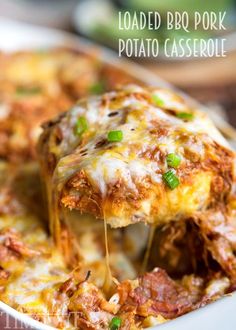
x=173, y=160
x=97, y=88
x=27, y=90
x=115, y=136
x=170, y=179
x=185, y=115
x=81, y=125
x=115, y=323
x=157, y=100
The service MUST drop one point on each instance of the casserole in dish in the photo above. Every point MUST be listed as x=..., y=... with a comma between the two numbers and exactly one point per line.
x=33, y=263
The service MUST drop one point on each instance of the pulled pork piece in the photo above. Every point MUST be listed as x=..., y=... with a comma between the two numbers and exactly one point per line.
x=4, y=275
x=12, y=246
x=155, y=293
x=173, y=249
x=203, y=245
x=87, y=307
x=217, y=229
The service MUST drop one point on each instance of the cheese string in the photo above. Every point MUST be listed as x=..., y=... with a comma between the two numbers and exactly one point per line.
x=108, y=276
x=151, y=233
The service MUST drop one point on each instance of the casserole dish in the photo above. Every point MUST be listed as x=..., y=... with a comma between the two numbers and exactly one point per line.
x=36, y=39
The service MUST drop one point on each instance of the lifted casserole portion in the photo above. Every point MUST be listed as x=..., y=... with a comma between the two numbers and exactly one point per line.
x=135, y=155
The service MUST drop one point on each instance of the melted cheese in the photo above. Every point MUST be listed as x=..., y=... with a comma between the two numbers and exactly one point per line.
x=151, y=233
x=108, y=277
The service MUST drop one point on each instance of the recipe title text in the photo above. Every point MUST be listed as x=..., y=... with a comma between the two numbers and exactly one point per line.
x=186, y=46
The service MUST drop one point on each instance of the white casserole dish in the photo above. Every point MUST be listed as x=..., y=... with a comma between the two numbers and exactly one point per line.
x=16, y=36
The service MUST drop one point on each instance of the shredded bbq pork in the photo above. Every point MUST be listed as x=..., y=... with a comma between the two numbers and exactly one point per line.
x=12, y=246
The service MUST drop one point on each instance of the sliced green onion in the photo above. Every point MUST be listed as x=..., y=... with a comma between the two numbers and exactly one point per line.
x=157, y=100
x=97, y=88
x=115, y=323
x=185, y=115
x=115, y=136
x=27, y=90
x=170, y=179
x=81, y=125
x=173, y=160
